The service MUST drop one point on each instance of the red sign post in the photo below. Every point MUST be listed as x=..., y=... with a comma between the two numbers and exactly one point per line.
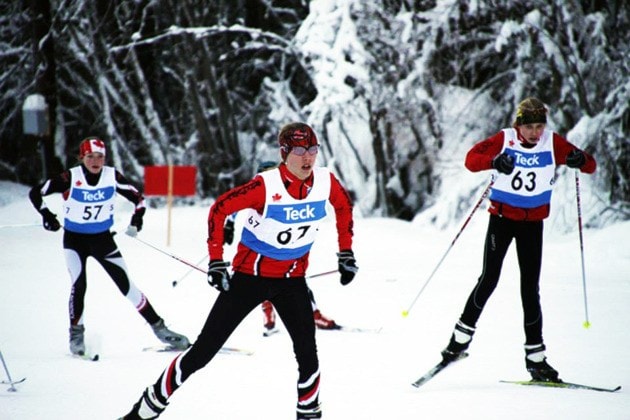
x=169, y=181
x=156, y=180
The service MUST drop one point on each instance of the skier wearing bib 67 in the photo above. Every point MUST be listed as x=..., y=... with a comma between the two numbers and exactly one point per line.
x=524, y=158
x=89, y=192
x=269, y=314
x=284, y=207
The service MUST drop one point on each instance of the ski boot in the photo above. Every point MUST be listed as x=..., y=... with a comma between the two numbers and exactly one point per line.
x=77, y=345
x=324, y=323
x=459, y=342
x=537, y=366
x=169, y=337
x=148, y=407
x=309, y=413
x=269, y=319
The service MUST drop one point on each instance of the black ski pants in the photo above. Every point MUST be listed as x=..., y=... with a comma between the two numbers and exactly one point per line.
x=100, y=246
x=528, y=236
x=291, y=299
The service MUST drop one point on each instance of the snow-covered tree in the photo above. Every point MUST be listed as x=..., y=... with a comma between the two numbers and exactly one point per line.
x=396, y=90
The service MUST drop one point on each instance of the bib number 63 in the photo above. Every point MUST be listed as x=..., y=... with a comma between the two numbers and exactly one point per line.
x=529, y=183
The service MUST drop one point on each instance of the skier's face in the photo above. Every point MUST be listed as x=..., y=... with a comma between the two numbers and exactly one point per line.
x=531, y=132
x=300, y=161
x=94, y=162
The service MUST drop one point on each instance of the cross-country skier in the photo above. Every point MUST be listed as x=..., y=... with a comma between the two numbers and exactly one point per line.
x=285, y=206
x=89, y=192
x=524, y=158
x=269, y=314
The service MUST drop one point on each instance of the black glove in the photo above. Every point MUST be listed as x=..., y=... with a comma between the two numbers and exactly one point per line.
x=218, y=276
x=347, y=266
x=503, y=163
x=135, y=225
x=228, y=232
x=136, y=219
x=576, y=159
x=50, y=221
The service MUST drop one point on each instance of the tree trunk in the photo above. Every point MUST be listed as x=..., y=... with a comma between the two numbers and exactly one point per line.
x=45, y=83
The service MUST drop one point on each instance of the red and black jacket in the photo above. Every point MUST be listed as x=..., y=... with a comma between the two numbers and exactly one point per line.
x=252, y=195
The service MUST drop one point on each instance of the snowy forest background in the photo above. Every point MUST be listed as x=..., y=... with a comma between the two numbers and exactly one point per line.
x=397, y=90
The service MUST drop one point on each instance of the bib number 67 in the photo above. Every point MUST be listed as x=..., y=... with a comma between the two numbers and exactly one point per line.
x=286, y=236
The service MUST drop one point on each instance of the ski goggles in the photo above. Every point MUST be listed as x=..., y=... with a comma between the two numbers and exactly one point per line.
x=301, y=150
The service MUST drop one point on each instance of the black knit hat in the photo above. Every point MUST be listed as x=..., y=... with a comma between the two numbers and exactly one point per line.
x=531, y=111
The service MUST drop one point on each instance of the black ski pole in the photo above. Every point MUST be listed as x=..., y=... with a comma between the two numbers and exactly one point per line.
x=586, y=323
x=20, y=225
x=170, y=255
x=325, y=273
x=176, y=282
x=483, y=196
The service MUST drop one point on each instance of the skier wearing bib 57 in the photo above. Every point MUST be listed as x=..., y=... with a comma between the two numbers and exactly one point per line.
x=525, y=158
x=89, y=191
x=284, y=207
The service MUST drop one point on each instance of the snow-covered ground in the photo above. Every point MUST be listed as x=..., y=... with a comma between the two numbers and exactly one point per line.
x=364, y=375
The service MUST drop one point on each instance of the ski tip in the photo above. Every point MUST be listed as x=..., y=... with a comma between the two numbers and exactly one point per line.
x=417, y=384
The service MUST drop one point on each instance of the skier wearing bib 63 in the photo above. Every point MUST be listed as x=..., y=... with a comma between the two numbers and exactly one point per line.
x=524, y=158
x=284, y=207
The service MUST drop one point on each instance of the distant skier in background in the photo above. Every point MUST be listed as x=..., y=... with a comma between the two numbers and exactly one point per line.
x=284, y=207
x=525, y=158
x=269, y=314
x=89, y=192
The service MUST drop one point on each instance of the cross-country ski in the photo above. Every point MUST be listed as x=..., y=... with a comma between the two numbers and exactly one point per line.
x=224, y=350
x=431, y=373
x=345, y=328
x=19, y=381
x=567, y=385
x=336, y=327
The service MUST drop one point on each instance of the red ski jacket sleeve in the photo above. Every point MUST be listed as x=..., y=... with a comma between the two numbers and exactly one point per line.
x=561, y=149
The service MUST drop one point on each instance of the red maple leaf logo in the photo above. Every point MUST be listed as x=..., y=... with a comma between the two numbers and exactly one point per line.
x=276, y=197
x=78, y=183
x=511, y=143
